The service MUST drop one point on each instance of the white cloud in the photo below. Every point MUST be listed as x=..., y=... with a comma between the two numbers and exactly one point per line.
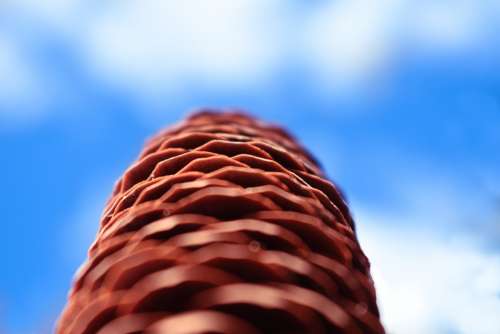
x=165, y=49
x=59, y=14
x=352, y=43
x=430, y=283
x=429, y=252
x=154, y=44
x=21, y=94
x=449, y=24
x=348, y=41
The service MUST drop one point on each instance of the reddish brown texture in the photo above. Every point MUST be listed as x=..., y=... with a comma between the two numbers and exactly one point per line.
x=225, y=224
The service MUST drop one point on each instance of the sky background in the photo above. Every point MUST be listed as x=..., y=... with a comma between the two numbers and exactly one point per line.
x=399, y=100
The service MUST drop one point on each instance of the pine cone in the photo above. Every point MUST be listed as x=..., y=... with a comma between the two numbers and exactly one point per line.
x=225, y=224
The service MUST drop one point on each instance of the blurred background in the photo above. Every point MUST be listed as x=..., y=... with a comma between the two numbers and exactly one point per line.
x=399, y=99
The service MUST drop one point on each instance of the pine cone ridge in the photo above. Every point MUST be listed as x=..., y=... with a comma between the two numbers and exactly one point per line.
x=224, y=224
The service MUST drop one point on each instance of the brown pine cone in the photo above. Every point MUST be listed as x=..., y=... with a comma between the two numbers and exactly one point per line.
x=225, y=224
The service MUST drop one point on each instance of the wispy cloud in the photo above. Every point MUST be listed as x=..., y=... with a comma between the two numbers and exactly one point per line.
x=162, y=48
x=451, y=25
x=348, y=41
x=159, y=47
x=431, y=283
x=431, y=261
x=20, y=89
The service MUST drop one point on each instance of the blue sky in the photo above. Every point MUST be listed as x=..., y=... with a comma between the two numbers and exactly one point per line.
x=399, y=99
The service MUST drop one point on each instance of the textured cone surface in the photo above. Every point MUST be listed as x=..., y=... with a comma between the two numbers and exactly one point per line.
x=224, y=224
